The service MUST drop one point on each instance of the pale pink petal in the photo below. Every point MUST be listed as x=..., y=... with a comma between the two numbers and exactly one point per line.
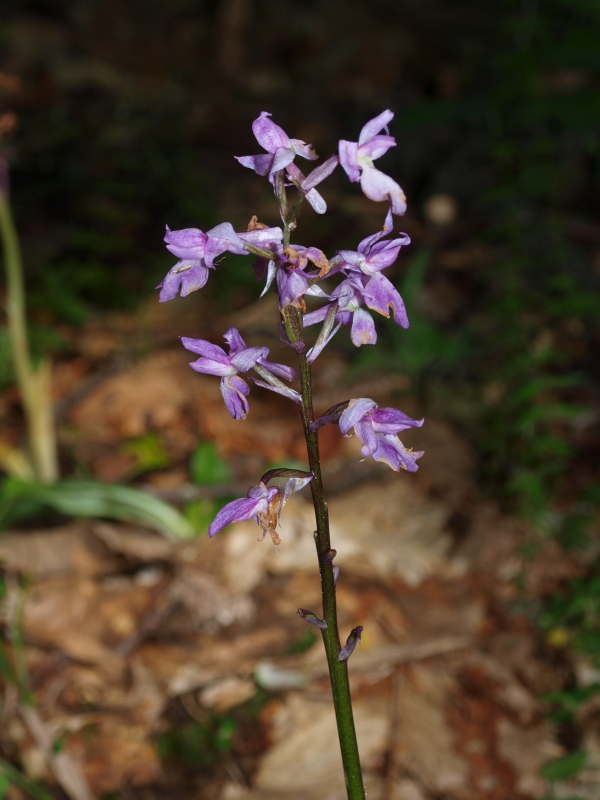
x=375, y=125
x=269, y=135
x=378, y=186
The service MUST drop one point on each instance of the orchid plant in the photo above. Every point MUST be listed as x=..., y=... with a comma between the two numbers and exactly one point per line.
x=347, y=287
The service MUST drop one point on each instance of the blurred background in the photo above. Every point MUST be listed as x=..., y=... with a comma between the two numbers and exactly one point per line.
x=129, y=116
x=120, y=117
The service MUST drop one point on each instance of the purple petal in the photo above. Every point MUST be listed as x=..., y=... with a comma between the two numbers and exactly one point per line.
x=236, y=511
x=269, y=135
x=319, y=173
x=204, y=348
x=375, y=147
x=364, y=430
x=383, y=254
x=315, y=316
x=220, y=239
x=378, y=186
x=316, y=201
x=348, y=159
x=246, y=359
x=295, y=174
x=391, y=421
x=262, y=236
x=282, y=158
x=261, y=491
x=302, y=149
x=261, y=164
x=186, y=243
x=187, y=275
x=380, y=295
x=392, y=452
x=356, y=410
x=235, y=391
x=375, y=125
x=314, y=198
x=388, y=225
x=235, y=341
x=291, y=285
x=352, y=258
x=208, y=366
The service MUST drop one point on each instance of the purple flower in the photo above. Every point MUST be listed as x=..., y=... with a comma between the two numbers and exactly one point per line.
x=215, y=361
x=281, y=150
x=357, y=160
x=196, y=251
x=372, y=256
x=262, y=504
x=377, y=428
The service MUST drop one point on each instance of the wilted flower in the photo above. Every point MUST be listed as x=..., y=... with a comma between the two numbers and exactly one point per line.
x=292, y=280
x=263, y=504
x=309, y=616
x=357, y=160
x=351, y=643
x=377, y=428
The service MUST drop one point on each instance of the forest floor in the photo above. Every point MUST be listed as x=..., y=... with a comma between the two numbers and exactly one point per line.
x=180, y=668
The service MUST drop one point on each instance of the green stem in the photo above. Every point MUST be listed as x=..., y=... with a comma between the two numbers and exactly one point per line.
x=34, y=384
x=338, y=671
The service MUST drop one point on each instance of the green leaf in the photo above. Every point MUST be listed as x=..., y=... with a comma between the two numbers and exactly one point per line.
x=13, y=775
x=4, y=786
x=559, y=769
x=149, y=453
x=207, y=468
x=20, y=499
